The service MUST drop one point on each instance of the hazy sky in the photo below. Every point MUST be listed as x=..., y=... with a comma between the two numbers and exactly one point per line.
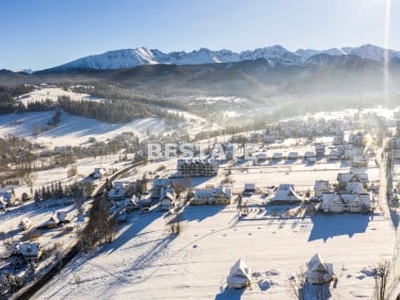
x=39, y=34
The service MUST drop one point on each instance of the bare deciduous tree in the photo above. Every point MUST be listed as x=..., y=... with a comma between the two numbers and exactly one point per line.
x=298, y=283
x=381, y=274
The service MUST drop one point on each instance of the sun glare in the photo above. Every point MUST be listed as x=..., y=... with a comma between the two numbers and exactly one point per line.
x=388, y=7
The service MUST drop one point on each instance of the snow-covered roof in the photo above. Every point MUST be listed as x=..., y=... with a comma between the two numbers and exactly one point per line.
x=286, y=192
x=322, y=185
x=240, y=273
x=318, y=271
x=354, y=177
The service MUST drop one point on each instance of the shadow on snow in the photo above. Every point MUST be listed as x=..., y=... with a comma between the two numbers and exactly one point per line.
x=329, y=226
x=229, y=294
x=201, y=212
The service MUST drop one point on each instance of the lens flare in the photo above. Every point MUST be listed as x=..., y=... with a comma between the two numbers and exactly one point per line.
x=386, y=51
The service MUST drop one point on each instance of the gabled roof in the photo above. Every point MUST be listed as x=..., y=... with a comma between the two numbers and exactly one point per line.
x=202, y=193
x=347, y=198
x=322, y=185
x=316, y=264
x=318, y=271
x=286, y=192
x=239, y=273
x=353, y=177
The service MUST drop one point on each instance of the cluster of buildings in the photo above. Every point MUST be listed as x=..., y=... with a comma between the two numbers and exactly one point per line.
x=350, y=195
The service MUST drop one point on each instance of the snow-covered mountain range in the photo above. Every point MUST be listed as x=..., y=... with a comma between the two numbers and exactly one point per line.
x=130, y=58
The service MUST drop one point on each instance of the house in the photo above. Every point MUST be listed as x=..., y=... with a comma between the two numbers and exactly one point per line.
x=262, y=156
x=51, y=223
x=213, y=195
x=344, y=178
x=355, y=187
x=359, y=160
x=117, y=192
x=335, y=154
x=346, y=202
x=25, y=224
x=338, y=139
x=240, y=275
x=285, y=194
x=63, y=217
x=356, y=139
x=319, y=149
x=319, y=272
x=249, y=189
x=310, y=156
x=159, y=187
x=98, y=173
x=203, y=197
x=222, y=195
x=277, y=156
x=350, y=151
x=167, y=200
x=132, y=204
x=55, y=220
x=321, y=186
x=27, y=250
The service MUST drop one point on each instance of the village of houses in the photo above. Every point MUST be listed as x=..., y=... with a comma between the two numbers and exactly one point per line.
x=300, y=183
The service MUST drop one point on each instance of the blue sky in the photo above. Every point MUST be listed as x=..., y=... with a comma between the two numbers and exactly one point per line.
x=39, y=34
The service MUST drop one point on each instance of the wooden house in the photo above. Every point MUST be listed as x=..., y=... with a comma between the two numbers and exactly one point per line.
x=222, y=195
x=285, y=194
x=168, y=200
x=240, y=275
x=345, y=178
x=346, y=202
x=319, y=272
x=321, y=186
x=202, y=197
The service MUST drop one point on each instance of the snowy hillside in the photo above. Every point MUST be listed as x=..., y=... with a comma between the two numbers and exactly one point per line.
x=130, y=58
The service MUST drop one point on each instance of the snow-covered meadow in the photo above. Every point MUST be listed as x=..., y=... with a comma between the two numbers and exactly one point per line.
x=147, y=262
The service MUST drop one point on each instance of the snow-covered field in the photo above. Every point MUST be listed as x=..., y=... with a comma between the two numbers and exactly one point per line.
x=73, y=130
x=147, y=262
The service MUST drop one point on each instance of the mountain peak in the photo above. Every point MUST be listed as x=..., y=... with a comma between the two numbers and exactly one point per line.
x=130, y=58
